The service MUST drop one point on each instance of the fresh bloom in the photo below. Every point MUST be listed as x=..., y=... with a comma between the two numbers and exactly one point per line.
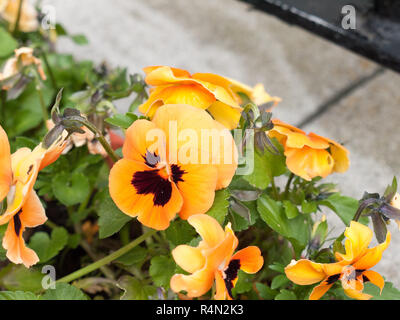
x=23, y=57
x=352, y=268
x=217, y=94
x=28, y=21
x=309, y=155
x=213, y=259
x=24, y=209
x=175, y=174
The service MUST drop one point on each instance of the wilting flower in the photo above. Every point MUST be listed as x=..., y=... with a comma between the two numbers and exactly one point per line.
x=219, y=95
x=175, y=174
x=213, y=259
x=396, y=204
x=28, y=21
x=23, y=57
x=309, y=155
x=24, y=209
x=352, y=268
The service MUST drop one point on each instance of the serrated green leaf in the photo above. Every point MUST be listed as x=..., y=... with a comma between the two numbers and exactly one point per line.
x=162, y=268
x=219, y=209
x=134, y=256
x=70, y=189
x=64, y=291
x=134, y=289
x=265, y=292
x=111, y=219
x=286, y=295
x=238, y=222
x=17, y=277
x=46, y=247
x=279, y=281
x=180, y=232
x=244, y=283
x=389, y=292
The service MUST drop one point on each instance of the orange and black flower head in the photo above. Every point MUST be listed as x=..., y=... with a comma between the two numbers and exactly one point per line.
x=352, y=268
x=24, y=209
x=170, y=165
x=309, y=155
x=213, y=260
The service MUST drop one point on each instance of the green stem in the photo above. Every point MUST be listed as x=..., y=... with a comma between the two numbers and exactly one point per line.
x=274, y=189
x=43, y=105
x=287, y=187
x=106, y=260
x=18, y=17
x=3, y=98
x=114, y=157
x=50, y=71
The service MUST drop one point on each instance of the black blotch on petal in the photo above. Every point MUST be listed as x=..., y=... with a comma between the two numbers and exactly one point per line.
x=17, y=223
x=231, y=274
x=177, y=173
x=150, y=182
x=333, y=279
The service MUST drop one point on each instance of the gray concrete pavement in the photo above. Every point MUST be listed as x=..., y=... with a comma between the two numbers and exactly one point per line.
x=227, y=38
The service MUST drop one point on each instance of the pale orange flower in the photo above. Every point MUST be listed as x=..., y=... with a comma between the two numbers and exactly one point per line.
x=217, y=94
x=352, y=268
x=309, y=155
x=28, y=21
x=213, y=259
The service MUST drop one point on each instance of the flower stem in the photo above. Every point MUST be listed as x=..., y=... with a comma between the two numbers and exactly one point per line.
x=106, y=260
x=287, y=187
x=274, y=189
x=18, y=17
x=43, y=105
x=49, y=70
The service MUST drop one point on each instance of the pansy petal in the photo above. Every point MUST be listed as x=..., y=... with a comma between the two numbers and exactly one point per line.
x=195, y=284
x=305, y=272
x=251, y=260
x=208, y=228
x=375, y=278
x=33, y=213
x=225, y=114
x=372, y=256
x=320, y=290
x=5, y=164
x=355, y=294
x=188, y=258
x=220, y=293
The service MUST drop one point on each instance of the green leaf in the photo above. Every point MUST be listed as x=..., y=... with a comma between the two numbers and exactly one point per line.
x=259, y=178
x=308, y=206
x=111, y=219
x=238, y=222
x=219, y=209
x=290, y=209
x=64, y=291
x=389, y=292
x=7, y=43
x=180, y=232
x=123, y=121
x=134, y=256
x=134, y=289
x=244, y=283
x=79, y=39
x=17, y=295
x=162, y=268
x=46, y=247
x=70, y=189
x=278, y=267
x=265, y=292
x=286, y=295
x=344, y=207
x=17, y=277
x=279, y=281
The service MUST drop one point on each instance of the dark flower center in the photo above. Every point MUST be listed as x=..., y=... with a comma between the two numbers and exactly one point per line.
x=231, y=273
x=17, y=223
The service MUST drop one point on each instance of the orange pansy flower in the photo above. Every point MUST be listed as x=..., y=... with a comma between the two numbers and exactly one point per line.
x=28, y=21
x=202, y=90
x=213, y=259
x=24, y=209
x=176, y=174
x=309, y=155
x=351, y=268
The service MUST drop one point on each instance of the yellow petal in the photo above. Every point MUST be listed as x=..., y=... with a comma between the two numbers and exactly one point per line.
x=305, y=272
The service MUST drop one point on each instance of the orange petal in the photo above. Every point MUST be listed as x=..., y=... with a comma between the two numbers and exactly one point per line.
x=5, y=164
x=372, y=256
x=195, y=284
x=251, y=260
x=208, y=228
x=320, y=290
x=305, y=272
x=221, y=292
x=375, y=278
x=33, y=213
x=188, y=258
x=17, y=252
x=225, y=114
x=355, y=294
x=309, y=163
x=358, y=237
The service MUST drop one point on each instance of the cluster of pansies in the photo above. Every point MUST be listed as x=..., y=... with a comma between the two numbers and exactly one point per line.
x=176, y=168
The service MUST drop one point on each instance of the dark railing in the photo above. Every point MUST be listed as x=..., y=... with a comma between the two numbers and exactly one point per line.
x=376, y=34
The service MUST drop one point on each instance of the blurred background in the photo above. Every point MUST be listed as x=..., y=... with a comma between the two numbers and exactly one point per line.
x=230, y=38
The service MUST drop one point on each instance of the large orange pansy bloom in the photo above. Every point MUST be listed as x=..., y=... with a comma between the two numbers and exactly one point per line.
x=213, y=259
x=309, y=155
x=24, y=209
x=156, y=179
x=219, y=95
x=351, y=268
x=28, y=21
